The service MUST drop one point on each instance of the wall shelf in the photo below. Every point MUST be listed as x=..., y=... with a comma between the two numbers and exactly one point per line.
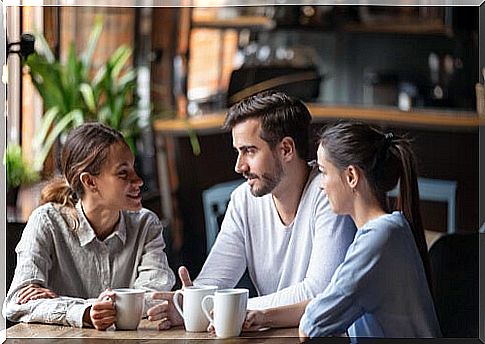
x=432, y=28
x=254, y=23
x=431, y=119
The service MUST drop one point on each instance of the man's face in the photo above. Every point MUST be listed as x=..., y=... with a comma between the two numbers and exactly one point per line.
x=256, y=161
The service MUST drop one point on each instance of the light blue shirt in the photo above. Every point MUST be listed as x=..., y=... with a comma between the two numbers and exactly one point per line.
x=380, y=289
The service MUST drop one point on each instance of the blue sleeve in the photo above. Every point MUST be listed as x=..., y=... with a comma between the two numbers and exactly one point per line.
x=341, y=304
x=330, y=313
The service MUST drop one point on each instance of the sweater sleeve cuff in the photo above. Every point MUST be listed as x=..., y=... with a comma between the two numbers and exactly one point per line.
x=253, y=304
x=75, y=313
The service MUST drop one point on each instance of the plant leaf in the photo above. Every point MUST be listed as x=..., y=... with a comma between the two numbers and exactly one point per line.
x=88, y=96
x=128, y=79
x=119, y=59
x=131, y=120
x=73, y=116
x=100, y=75
x=45, y=124
x=18, y=169
x=104, y=114
x=72, y=78
x=87, y=55
x=45, y=50
x=194, y=140
x=47, y=79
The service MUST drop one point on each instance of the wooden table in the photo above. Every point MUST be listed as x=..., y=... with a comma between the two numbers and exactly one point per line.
x=147, y=332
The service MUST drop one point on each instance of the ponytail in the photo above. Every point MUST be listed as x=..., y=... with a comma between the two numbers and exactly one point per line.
x=408, y=201
x=59, y=192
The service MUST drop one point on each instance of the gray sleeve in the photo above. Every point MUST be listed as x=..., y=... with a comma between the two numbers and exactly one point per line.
x=33, y=265
x=154, y=272
x=333, y=235
x=65, y=311
x=226, y=261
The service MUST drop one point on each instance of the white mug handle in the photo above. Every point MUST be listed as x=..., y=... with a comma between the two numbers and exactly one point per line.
x=203, y=304
x=176, y=301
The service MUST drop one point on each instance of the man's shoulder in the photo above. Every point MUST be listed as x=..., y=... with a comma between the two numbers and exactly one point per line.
x=313, y=192
x=243, y=199
x=315, y=178
x=242, y=193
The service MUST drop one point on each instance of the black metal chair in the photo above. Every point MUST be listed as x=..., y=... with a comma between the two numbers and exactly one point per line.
x=454, y=264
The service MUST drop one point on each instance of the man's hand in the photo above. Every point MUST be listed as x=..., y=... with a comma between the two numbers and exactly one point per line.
x=165, y=311
x=255, y=321
x=102, y=313
x=185, y=277
x=34, y=292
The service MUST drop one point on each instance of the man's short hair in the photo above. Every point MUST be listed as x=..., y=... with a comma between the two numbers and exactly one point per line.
x=280, y=116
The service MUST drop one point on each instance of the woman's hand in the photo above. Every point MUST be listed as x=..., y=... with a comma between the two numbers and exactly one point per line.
x=211, y=329
x=102, y=313
x=303, y=336
x=34, y=292
x=255, y=321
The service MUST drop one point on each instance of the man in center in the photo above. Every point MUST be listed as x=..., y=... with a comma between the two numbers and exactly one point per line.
x=279, y=224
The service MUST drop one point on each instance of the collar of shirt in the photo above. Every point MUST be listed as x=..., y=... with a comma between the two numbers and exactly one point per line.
x=86, y=233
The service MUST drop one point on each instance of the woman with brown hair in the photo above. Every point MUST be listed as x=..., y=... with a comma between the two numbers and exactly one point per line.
x=90, y=235
x=382, y=288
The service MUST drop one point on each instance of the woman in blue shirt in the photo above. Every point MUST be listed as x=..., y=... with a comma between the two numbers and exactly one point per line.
x=382, y=288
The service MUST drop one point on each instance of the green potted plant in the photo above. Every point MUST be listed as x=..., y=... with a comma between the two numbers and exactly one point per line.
x=19, y=172
x=73, y=93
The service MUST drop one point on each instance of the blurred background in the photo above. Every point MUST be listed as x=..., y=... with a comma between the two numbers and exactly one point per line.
x=165, y=76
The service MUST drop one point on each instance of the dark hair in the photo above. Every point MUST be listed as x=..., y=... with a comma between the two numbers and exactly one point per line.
x=85, y=150
x=385, y=160
x=280, y=116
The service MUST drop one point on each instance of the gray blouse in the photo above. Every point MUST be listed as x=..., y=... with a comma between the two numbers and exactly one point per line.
x=78, y=266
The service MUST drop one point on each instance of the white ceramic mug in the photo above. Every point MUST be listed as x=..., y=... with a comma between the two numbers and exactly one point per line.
x=229, y=311
x=129, y=307
x=194, y=318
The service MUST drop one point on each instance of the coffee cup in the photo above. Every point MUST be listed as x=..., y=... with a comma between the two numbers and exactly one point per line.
x=129, y=308
x=194, y=318
x=229, y=311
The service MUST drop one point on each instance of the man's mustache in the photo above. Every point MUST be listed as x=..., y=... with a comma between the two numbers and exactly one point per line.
x=250, y=175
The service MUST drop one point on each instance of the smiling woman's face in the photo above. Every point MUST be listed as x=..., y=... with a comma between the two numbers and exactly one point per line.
x=118, y=184
x=334, y=184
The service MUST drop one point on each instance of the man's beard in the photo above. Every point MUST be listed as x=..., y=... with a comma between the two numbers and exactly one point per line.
x=268, y=181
